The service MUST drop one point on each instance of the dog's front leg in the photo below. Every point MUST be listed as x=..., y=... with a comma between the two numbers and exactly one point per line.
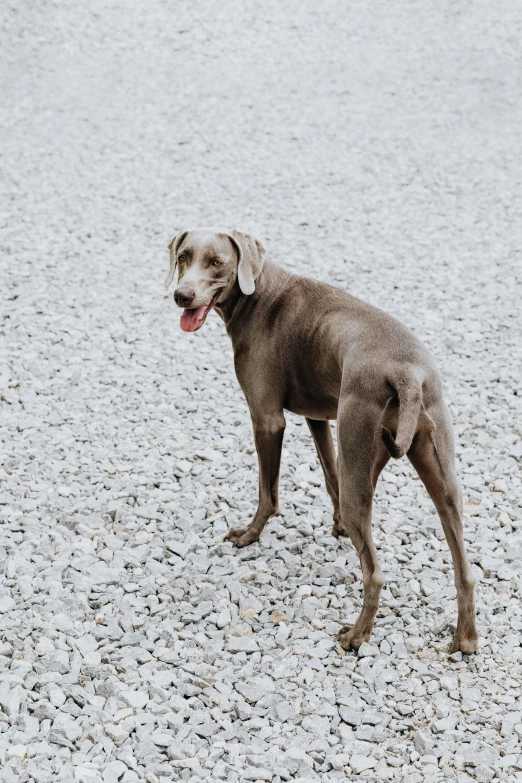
x=268, y=434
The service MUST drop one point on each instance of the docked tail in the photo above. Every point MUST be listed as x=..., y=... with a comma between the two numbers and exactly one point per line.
x=410, y=401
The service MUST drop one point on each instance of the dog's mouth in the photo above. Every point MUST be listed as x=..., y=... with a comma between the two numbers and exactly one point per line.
x=194, y=318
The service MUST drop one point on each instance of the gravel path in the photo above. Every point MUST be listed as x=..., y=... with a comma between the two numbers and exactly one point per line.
x=378, y=148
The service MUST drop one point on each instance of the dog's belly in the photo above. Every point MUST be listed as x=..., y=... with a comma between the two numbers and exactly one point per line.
x=313, y=408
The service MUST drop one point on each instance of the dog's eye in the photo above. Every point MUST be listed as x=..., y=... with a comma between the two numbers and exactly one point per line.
x=182, y=257
x=216, y=262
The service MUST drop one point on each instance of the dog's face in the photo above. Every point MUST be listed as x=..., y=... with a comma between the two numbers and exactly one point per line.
x=209, y=263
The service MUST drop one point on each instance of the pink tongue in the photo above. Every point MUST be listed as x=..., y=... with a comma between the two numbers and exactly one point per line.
x=192, y=319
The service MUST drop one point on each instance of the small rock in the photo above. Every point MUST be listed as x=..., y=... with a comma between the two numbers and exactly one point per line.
x=161, y=738
x=122, y=714
x=422, y=742
x=340, y=761
x=17, y=751
x=243, y=710
x=135, y=699
x=254, y=689
x=224, y=618
x=257, y=773
x=246, y=644
x=442, y=708
x=117, y=733
x=113, y=771
x=86, y=644
x=445, y=724
x=7, y=604
x=484, y=774
x=285, y=711
x=44, y=646
x=184, y=465
x=367, y=650
x=361, y=763
x=180, y=548
x=57, y=697
x=44, y=710
x=10, y=698
x=350, y=716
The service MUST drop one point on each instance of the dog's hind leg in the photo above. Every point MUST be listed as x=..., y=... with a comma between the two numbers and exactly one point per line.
x=362, y=455
x=432, y=455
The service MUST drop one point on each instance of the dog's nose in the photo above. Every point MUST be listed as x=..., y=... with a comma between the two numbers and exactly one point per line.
x=184, y=296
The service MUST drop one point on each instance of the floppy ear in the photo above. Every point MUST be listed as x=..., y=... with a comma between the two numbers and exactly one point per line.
x=173, y=249
x=251, y=259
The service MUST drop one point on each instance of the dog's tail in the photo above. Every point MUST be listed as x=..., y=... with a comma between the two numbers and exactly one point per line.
x=410, y=400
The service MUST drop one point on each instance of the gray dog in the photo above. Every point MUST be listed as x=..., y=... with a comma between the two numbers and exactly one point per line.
x=312, y=349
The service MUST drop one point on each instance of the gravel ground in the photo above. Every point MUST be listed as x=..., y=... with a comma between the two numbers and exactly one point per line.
x=375, y=146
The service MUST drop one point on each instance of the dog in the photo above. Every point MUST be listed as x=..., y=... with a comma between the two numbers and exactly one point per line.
x=307, y=347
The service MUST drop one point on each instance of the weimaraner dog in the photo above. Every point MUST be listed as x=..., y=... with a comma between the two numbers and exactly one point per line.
x=307, y=347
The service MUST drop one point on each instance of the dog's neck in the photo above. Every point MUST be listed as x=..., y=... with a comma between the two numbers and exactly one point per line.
x=233, y=301
x=238, y=305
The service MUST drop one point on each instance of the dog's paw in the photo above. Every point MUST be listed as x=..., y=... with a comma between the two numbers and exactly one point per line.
x=241, y=536
x=466, y=643
x=338, y=529
x=350, y=639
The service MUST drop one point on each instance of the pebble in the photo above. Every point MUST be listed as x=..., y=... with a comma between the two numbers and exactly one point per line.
x=113, y=772
x=351, y=716
x=44, y=646
x=136, y=644
x=445, y=724
x=484, y=774
x=361, y=763
x=7, y=604
x=255, y=689
x=224, y=618
x=422, y=742
x=117, y=733
x=57, y=697
x=135, y=699
x=238, y=644
x=367, y=650
x=17, y=751
x=257, y=773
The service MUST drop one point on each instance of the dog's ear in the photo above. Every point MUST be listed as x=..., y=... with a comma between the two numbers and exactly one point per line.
x=251, y=255
x=173, y=249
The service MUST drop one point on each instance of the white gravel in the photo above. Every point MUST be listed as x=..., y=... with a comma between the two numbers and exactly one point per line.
x=376, y=146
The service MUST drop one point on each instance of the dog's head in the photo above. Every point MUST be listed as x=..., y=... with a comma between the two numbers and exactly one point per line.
x=209, y=263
